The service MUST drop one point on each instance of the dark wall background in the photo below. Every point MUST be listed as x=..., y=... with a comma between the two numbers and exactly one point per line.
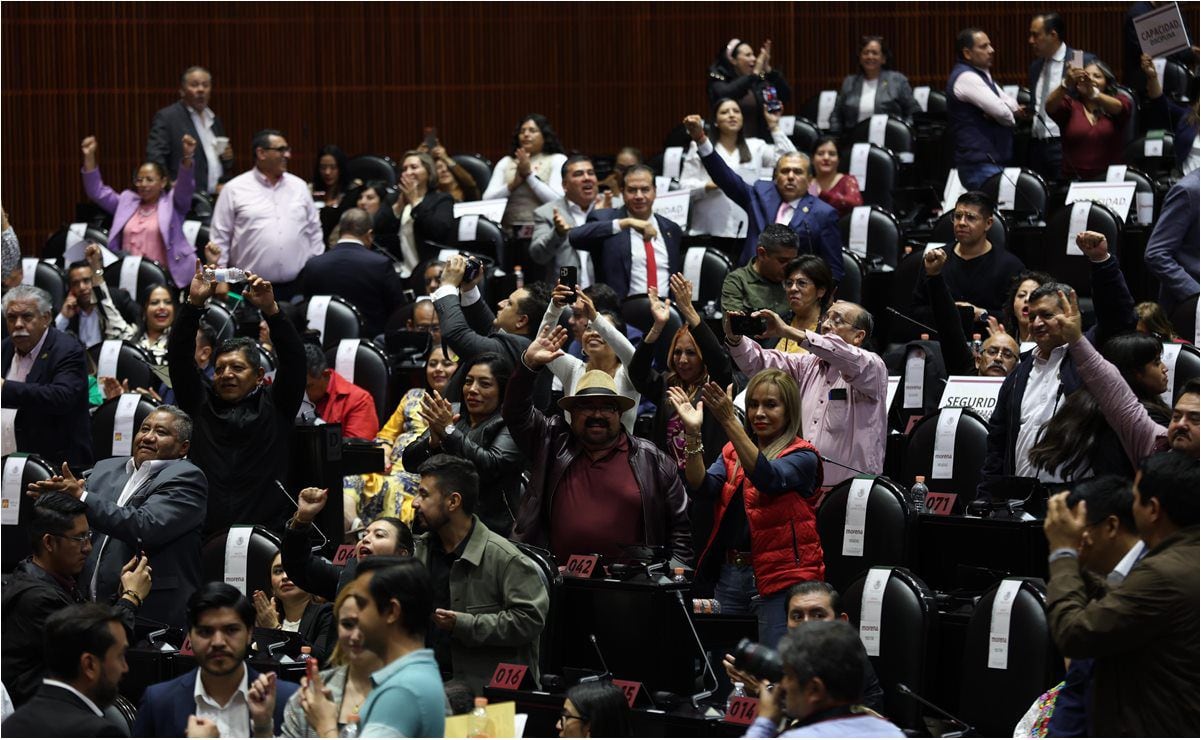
x=369, y=76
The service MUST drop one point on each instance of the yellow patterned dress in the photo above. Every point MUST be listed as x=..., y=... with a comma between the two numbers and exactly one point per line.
x=377, y=495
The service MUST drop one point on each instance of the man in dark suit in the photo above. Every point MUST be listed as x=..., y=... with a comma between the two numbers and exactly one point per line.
x=85, y=660
x=92, y=311
x=45, y=382
x=355, y=272
x=1048, y=39
x=222, y=689
x=154, y=503
x=625, y=241
x=785, y=200
x=191, y=115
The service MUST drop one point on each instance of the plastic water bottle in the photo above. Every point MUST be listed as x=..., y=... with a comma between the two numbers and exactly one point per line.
x=225, y=274
x=917, y=494
x=977, y=345
x=352, y=727
x=678, y=575
x=739, y=691
x=480, y=725
x=519, y=276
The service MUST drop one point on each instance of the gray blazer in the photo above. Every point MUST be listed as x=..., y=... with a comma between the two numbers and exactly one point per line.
x=164, y=518
x=547, y=247
x=893, y=96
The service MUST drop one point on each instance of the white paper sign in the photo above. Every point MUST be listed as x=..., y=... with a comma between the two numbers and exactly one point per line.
x=858, y=166
x=129, y=274
x=877, y=128
x=106, y=366
x=1160, y=66
x=8, y=431
x=856, y=516
x=825, y=106
x=1078, y=223
x=915, y=378
x=1161, y=32
x=492, y=209
x=673, y=206
x=998, y=627
x=921, y=94
x=469, y=226
x=1144, y=204
x=1171, y=352
x=29, y=268
x=1116, y=173
x=870, y=608
x=237, y=549
x=10, y=497
x=933, y=245
x=972, y=392
x=444, y=255
x=344, y=362
x=662, y=185
x=1153, y=147
x=944, y=443
x=894, y=382
x=191, y=229
x=1118, y=196
x=123, y=431
x=673, y=162
x=1007, y=188
x=787, y=125
x=857, y=240
x=315, y=314
x=952, y=190
x=694, y=258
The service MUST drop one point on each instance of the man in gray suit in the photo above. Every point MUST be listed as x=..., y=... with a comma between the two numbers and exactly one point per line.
x=552, y=221
x=153, y=502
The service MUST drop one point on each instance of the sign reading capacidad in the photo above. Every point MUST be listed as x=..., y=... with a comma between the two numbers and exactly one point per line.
x=1161, y=32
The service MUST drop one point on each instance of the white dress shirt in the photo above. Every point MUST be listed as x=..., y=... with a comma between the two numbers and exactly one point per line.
x=1052, y=77
x=999, y=105
x=208, y=144
x=638, y=284
x=867, y=99
x=22, y=364
x=137, y=477
x=1039, y=403
x=233, y=719
x=1122, y=569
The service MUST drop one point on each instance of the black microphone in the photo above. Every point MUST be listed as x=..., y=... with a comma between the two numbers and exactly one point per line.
x=913, y=694
x=1035, y=213
x=596, y=646
x=844, y=465
x=930, y=330
x=704, y=693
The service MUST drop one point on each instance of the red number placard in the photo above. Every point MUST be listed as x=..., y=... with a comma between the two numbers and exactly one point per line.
x=742, y=710
x=581, y=566
x=342, y=556
x=941, y=504
x=630, y=688
x=507, y=676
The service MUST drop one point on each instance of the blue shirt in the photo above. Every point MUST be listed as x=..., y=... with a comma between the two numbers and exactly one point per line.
x=407, y=701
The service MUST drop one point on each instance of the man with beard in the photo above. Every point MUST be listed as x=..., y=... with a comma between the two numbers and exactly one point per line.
x=220, y=625
x=998, y=355
x=85, y=660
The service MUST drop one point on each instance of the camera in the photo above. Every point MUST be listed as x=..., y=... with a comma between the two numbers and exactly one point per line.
x=472, y=269
x=747, y=326
x=758, y=660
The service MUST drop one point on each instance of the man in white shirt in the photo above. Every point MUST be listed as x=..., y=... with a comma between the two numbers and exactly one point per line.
x=1048, y=39
x=552, y=221
x=980, y=114
x=265, y=221
x=191, y=115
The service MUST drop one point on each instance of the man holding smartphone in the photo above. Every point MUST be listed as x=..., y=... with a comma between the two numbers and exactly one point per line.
x=553, y=221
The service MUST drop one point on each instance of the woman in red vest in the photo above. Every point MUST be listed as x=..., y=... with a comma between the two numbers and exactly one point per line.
x=764, y=538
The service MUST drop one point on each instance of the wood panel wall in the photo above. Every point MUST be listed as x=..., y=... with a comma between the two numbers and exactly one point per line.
x=369, y=76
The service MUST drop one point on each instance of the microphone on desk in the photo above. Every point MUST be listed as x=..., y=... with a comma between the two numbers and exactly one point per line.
x=705, y=693
x=844, y=465
x=929, y=330
x=607, y=675
x=914, y=695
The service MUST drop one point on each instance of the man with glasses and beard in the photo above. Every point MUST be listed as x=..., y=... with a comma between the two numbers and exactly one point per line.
x=222, y=690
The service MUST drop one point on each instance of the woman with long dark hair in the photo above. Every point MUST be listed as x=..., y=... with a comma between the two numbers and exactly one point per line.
x=158, y=314
x=1017, y=303
x=331, y=176
x=595, y=709
x=1139, y=358
x=531, y=175
x=740, y=74
x=1091, y=115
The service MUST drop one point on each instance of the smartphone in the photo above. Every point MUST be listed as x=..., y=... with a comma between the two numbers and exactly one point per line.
x=771, y=99
x=569, y=276
x=747, y=326
x=472, y=269
x=431, y=137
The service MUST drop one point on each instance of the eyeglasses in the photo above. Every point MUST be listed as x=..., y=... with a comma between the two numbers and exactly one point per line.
x=802, y=284
x=835, y=321
x=605, y=409
x=78, y=539
x=968, y=216
x=564, y=717
x=1003, y=352
x=281, y=149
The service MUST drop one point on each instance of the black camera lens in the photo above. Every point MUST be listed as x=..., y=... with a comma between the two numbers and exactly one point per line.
x=758, y=660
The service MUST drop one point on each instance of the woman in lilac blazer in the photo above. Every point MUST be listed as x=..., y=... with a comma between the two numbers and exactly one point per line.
x=147, y=221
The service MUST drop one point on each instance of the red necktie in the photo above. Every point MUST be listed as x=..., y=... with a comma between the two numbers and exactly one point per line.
x=652, y=271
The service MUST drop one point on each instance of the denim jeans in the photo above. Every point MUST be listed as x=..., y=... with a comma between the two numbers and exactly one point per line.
x=735, y=589
x=773, y=617
x=973, y=175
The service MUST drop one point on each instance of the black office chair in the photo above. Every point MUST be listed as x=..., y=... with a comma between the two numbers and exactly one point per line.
x=993, y=700
x=884, y=238
x=1143, y=186
x=104, y=420
x=220, y=319
x=636, y=311
x=478, y=166
x=369, y=167
x=133, y=364
x=809, y=109
x=149, y=272
x=1074, y=269
x=881, y=177
x=56, y=245
x=908, y=641
x=342, y=321
x=369, y=371
x=489, y=241
x=1184, y=317
x=1176, y=79
x=1188, y=367
x=934, y=376
x=1030, y=195
x=851, y=287
x=887, y=530
x=202, y=206
x=14, y=544
x=1161, y=167
x=267, y=361
x=1131, y=129
x=944, y=230
x=971, y=446
x=127, y=710
x=550, y=640
x=936, y=106
x=715, y=266
x=261, y=549
x=898, y=136
x=203, y=236
x=805, y=135
x=52, y=280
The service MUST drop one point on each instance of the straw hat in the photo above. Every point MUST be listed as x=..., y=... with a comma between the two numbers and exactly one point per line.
x=596, y=384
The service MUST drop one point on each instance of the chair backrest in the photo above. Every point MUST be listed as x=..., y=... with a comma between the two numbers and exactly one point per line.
x=882, y=539
x=218, y=316
x=970, y=447
x=107, y=439
x=1158, y=166
x=905, y=632
x=851, y=287
x=1030, y=194
x=883, y=237
x=488, y=240
x=1131, y=129
x=52, y=280
x=1074, y=269
x=933, y=372
x=811, y=109
x=56, y=246
x=550, y=639
x=14, y=544
x=936, y=106
x=130, y=363
x=712, y=267
x=898, y=135
x=879, y=179
x=365, y=365
x=636, y=311
x=202, y=206
x=477, y=166
x=1176, y=78
x=342, y=321
x=268, y=362
x=135, y=274
x=1188, y=367
x=261, y=548
x=944, y=230
x=1144, y=187
x=805, y=135
x=996, y=693
x=369, y=167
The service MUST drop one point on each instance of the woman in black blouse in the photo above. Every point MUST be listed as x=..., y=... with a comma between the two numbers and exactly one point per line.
x=740, y=75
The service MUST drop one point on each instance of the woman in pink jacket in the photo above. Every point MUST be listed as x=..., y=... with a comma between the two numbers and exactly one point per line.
x=148, y=220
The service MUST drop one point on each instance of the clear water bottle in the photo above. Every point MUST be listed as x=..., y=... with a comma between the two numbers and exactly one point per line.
x=710, y=309
x=480, y=725
x=352, y=727
x=519, y=276
x=678, y=575
x=225, y=274
x=977, y=345
x=739, y=691
x=917, y=494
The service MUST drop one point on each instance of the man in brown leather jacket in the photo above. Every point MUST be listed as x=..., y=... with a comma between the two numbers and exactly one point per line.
x=593, y=487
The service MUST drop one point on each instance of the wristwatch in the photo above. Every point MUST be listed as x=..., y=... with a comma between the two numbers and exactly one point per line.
x=449, y=430
x=98, y=272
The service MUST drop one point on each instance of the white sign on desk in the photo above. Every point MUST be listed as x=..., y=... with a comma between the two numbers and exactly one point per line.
x=469, y=226
x=674, y=206
x=853, y=530
x=1161, y=32
x=237, y=548
x=10, y=508
x=1171, y=353
x=492, y=209
x=944, y=443
x=825, y=106
x=1077, y=223
x=315, y=313
x=1116, y=173
x=870, y=608
x=998, y=625
x=972, y=392
x=921, y=94
x=123, y=431
x=858, y=166
x=1118, y=196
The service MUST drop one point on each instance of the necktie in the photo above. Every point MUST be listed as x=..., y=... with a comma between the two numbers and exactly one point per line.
x=784, y=215
x=652, y=271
